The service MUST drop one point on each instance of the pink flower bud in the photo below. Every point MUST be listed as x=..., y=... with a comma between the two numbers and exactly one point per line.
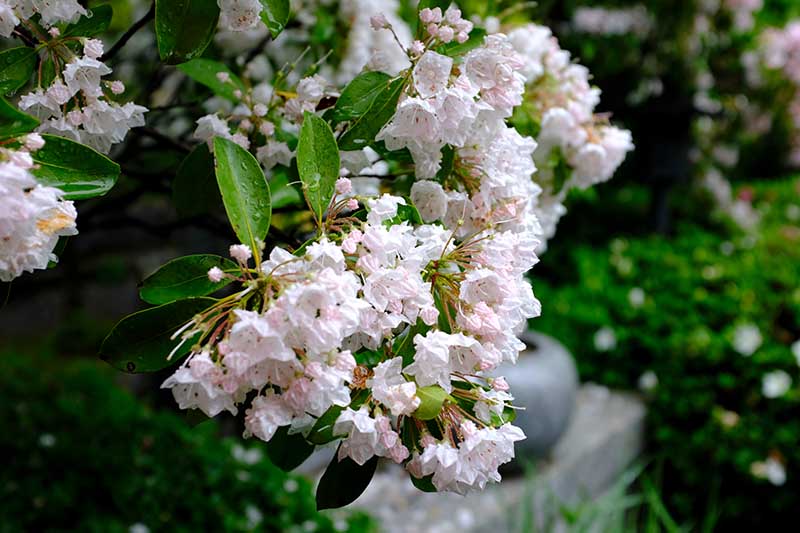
x=267, y=128
x=223, y=77
x=379, y=22
x=241, y=252
x=426, y=15
x=259, y=110
x=33, y=141
x=500, y=384
x=352, y=204
x=93, y=48
x=117, y=87
x=343, y=186
x=433, y=29
x=417, y=48
x=215, y=275
x=462, y=37
x=446, y=34
x=54, y=32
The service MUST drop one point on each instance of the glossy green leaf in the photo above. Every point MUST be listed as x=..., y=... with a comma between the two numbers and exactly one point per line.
x=363, y=130
x=184, y=28
x=195, y=190
x=16, y=68
x=74, y=168
x=317, y=163
x=14, y=122
x=343, y=482
x=286, y=451
x=141, y=342
x=358, y=95
x=205, y=71
x=185, y=277
x=94, y=24
x=322, y=431
x=275, y=15
x=425, y=484
x=245, y=192
x=432, y=399
x=283, y=192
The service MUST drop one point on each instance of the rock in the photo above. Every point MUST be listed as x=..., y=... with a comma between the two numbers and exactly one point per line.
x=545, y=383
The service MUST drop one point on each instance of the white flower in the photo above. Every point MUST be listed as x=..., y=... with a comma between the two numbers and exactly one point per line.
x=429, y=199
x=796, y=351
x=8, y=20
x=215, y=274
x=775, y=384
x=747, y=339
x=239, y=15
x=605, y=340
x=648, y=381
x=84, y=74
x=772, y=470
x=274, y=153
x=361, y=443
x=636, y=297
x=432, y=73
x=383, y=208
x=391, y=389
x=266, y=414
x=241, y=252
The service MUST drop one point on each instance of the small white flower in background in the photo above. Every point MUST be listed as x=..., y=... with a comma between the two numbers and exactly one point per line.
x=793, y=212
x=605, y=340
x=776, y=383
x=223, y=77
x=636, y=297
x=138, y=527
x=648, y=381
x=772, y=470
x=47, y=440
x=248, y=456
x=747, y=339
x=729, y=419
x=796, y=351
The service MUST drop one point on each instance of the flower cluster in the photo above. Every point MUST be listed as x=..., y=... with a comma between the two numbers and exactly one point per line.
x=13, y=12
x=239, y=15
x=560, y=99
x=77, y=103
x=634, y=20
x=32, y=216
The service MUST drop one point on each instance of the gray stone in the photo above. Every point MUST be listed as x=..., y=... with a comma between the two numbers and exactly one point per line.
x=604, y=437
x=544, y=383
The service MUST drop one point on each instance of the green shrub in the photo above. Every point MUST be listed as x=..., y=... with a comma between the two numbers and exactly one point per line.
x=82, y=454
x=708, y=418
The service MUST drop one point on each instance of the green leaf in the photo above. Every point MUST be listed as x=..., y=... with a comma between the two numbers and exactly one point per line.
x=363, y=130
x=359, y=94
x=287, y=452
x=96, y=22
x=14, y=122
x=194, y=190
x=317, y=163
x=322, y=431
x=245, y=192
x=405, y=213
x=343, y=482
x=448, y=162
x=205, y=71
x=275, y=15
x=184, y=28
x=16, y=68
x=280, y=185
x=424, y=484
x=432, y=399
x=454, y=48
x=141, y=342
x=74, y=168
x=184, y=277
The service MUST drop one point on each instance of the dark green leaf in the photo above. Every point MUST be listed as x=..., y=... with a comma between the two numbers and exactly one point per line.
x=454, y=48
x=14, y=122
x=245, y=192
x=287, y=452
x=424, y=484
x=195, y=190
x=363, y=130
x=275, y=15
x=359, y=94
x=16, y=68
x=184, y=28
x=87, y=26
x=280, y=185
x=448, y=161
x=141, y=342
x=185, y=277
x=74, y=168
x=205, y=71
x=343, y=482
x=322, y=431
x=432, y=399
x=317, y=163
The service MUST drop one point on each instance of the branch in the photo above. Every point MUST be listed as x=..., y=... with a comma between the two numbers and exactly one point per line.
x=138, y=25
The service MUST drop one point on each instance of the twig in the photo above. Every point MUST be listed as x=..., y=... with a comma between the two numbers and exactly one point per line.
x=138, y=25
